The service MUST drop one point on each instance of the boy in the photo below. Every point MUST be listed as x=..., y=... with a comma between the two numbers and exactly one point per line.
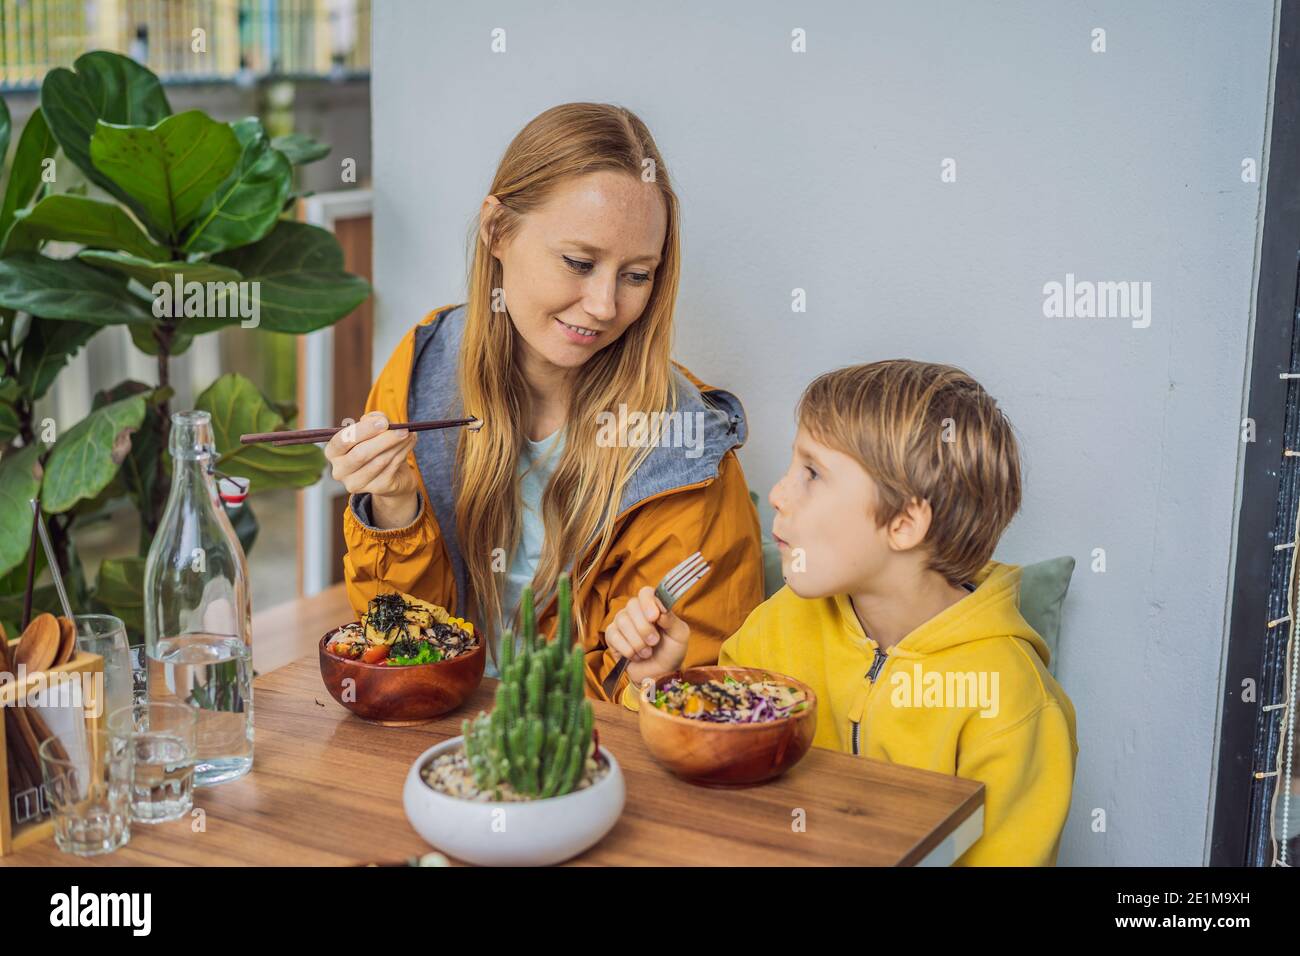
x=902, y=479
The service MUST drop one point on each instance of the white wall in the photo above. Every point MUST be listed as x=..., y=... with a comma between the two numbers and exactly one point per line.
x=821, y=171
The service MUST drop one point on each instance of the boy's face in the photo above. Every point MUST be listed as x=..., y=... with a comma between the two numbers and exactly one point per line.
x=824, y=523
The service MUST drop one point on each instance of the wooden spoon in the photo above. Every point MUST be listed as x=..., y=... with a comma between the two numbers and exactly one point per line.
x=67, y=641
x=23, y=716
x=20, y=739
x=11, y=767
x=18, y=779
x=40, y=643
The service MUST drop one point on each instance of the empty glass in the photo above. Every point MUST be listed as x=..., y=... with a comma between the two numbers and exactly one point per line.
x=105, y=635
x=162, y=737
x=88, y=794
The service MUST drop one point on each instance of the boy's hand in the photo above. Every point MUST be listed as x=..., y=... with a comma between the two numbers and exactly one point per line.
x=652, y=638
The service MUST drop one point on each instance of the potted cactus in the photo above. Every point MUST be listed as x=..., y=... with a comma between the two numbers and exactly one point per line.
x=539, y=740
x=528, y=784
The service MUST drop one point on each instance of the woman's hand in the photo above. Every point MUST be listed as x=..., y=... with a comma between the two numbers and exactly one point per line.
x=652, y=638
x=370, y=458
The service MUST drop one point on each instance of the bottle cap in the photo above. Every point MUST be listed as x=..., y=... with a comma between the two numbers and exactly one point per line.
x=232, y=491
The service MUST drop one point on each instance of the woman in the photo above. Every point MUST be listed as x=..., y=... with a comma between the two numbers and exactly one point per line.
x=567, y=327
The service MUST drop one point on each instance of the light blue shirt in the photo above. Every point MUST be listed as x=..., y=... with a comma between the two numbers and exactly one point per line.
x=537, y=461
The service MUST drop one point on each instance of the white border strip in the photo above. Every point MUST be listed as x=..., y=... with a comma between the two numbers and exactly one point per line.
x=323, y=210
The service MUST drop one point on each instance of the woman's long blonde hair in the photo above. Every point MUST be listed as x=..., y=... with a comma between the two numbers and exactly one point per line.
x=581, y=502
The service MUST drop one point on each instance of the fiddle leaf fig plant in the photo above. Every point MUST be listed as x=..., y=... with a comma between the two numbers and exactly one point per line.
x=185, y=235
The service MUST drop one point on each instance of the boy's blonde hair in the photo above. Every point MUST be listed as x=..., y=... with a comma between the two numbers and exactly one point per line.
x=928, y=432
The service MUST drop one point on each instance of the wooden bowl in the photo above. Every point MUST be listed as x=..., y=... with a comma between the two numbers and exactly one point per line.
x=728, y=755
x=398, y=696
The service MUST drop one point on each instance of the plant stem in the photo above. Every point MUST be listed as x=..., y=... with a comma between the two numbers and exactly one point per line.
x=25, y=413
x=60, y=528
x=164, y=333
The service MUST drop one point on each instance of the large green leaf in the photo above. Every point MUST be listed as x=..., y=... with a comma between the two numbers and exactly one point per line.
x=20, y=481
x=300, y=149
x=18, y=239
x=143, y=337
x=149, y=272
x=140, y=469
x=87, y=457
x=66, y=289
x=302, y=285
x=8, y=415
x=8, y=423
x=49, y=346
x=101, y=225
x=128, y=388
x=120, y=589
x=245, y=207
x=34, y=147
x=106, y=86
x=198, y=313
x=169, y=168
x=238, y=408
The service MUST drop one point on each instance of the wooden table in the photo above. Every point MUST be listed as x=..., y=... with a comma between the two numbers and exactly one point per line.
x=326, y=789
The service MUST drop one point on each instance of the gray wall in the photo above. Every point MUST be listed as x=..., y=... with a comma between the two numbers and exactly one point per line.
x=821, y=171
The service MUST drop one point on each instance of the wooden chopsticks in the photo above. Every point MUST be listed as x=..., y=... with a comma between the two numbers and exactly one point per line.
x=316, y=436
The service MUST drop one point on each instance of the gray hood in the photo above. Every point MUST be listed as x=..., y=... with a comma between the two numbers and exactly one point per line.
x=712, y=423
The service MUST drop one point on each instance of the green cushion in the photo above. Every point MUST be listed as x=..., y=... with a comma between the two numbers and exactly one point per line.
x=773, y=580
x=1042, y=592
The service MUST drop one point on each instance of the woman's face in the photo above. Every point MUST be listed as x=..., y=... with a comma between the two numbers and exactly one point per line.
x=579, y=270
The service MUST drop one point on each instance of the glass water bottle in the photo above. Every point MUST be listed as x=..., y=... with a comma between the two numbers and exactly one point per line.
x=197, y=612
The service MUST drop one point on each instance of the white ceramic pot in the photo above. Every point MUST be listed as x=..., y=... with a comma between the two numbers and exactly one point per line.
x=522, y=833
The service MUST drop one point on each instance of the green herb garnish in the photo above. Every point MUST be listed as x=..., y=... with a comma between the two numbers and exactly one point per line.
x=427, y=654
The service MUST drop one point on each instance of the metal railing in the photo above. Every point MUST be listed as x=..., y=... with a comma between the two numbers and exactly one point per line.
x=188, y=40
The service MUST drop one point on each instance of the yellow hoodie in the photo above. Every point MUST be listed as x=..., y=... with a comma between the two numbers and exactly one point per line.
x=966, y=693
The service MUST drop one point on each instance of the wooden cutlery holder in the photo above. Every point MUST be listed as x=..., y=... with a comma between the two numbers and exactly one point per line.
x=24, y=813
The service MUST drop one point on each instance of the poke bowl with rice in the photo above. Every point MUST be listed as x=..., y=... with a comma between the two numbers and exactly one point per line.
x=405, y=661
x=730, y=700
x=728, y=726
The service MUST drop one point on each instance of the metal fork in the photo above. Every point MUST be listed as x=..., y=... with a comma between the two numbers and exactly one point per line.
x=674, y=584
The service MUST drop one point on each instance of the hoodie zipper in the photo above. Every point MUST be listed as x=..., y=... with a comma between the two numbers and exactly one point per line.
x=873, y=672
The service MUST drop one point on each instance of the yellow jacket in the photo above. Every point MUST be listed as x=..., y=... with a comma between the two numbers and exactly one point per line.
x=675, y=504
x=966, y=693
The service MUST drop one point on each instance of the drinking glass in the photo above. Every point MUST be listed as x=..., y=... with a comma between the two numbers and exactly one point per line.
x=162, y=737
x=88, y=794
x=105, y=635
